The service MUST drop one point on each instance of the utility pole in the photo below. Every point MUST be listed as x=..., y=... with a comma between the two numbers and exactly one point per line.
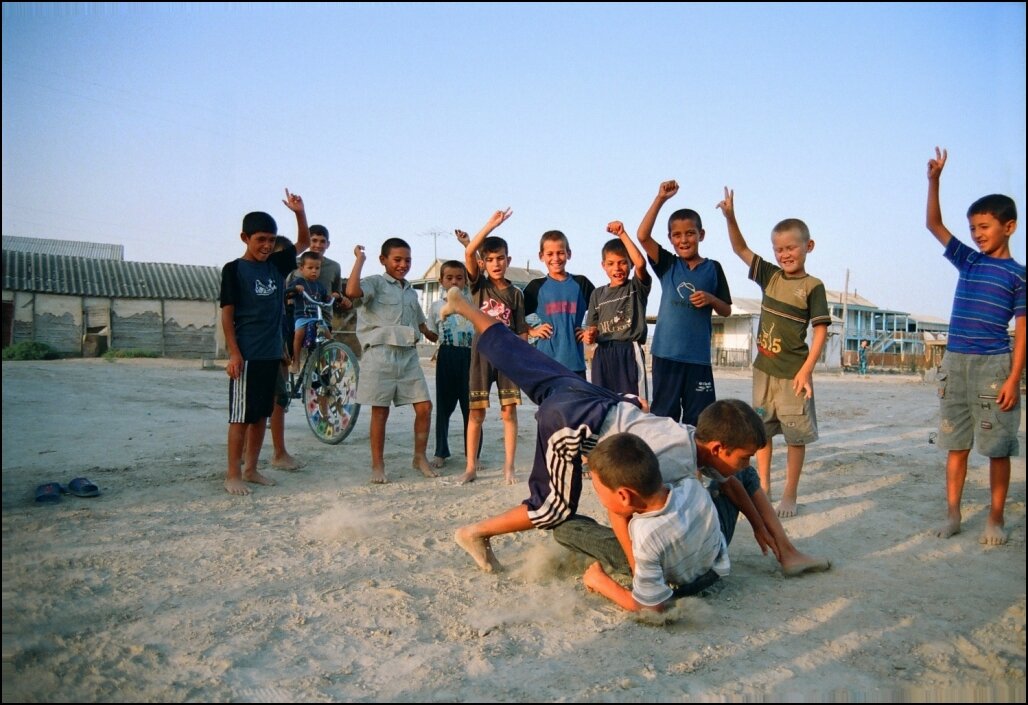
x=845, y=320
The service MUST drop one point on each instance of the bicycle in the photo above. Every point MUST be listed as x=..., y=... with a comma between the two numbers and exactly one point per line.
x=327, y=382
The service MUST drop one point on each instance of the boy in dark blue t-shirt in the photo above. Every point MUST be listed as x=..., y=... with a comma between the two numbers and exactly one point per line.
x=251, y=317
x=692, y=287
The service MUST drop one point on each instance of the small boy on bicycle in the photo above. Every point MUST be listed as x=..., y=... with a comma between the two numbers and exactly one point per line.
x=305, y=312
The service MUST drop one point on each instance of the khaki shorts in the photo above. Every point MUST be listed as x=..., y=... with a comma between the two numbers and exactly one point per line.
x=782, y=411
x=391, y=374
x=968, y=385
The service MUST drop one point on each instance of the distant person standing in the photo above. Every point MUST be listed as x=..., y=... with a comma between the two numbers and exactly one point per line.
x=980, y=393
x=862, y=355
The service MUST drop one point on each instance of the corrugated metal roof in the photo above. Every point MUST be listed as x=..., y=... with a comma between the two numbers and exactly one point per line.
x=87, y=276
x=70, y=248
x=853, y=299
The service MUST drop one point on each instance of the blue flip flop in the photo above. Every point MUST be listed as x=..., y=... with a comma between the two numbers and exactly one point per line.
x=49, y=493
x=82, y=487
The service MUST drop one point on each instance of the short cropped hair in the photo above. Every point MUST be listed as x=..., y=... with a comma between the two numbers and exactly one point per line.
x=1003, y=207
x=452, y=264
x=492, y=245
x=793, y=224
x=615, y=247
x=320, y=230
x=281, y=243
x=625, y=460
x=393, y=243
x=553, y=236
x=308, y=256
x=259, y=222
x=685, y=214
x=732, y=422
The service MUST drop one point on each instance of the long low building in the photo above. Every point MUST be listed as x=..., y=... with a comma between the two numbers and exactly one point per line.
x=70, y=301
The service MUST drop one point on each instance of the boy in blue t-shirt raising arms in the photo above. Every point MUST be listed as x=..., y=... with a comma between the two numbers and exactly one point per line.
x=979, y=392
x=692, y=287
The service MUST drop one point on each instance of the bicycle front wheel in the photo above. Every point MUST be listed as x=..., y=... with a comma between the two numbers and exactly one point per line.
x=330, y=391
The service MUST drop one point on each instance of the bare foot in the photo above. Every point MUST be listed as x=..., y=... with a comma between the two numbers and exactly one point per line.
x=294, y=369
x=453, y=296
x=421, y=463
x=235, y=485
x=508, y=476
x=286, y=462
x=786, y=508
x=258, y=479
x=478, y=548
x=468, y=477
x=802, y=563
x=950, y=527
x=378, y=476
x=993, y=535
x=438, y=462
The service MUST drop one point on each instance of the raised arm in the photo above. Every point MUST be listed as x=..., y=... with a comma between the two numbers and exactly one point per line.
x=471, y=249
x=739, y=246
x=617, y=229
x=303, y=234
x=353, y=284
x=933, y=217
x=645, y=232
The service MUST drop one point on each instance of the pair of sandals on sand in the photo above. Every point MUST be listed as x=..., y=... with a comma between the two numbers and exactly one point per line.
x=51, y=492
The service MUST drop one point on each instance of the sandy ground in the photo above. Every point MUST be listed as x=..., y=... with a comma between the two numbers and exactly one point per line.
x=326, y=588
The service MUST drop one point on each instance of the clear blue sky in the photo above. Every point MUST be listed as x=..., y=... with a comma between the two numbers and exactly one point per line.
x=159, y=126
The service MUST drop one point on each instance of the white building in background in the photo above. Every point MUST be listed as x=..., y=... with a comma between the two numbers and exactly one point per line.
x=899, y=340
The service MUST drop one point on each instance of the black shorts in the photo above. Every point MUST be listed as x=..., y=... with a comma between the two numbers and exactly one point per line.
x=251, y=397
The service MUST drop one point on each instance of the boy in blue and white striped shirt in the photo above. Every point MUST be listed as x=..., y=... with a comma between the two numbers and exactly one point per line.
x=980, y=378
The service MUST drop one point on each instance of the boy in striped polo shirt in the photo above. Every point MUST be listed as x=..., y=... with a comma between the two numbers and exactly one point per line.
x=979, y=387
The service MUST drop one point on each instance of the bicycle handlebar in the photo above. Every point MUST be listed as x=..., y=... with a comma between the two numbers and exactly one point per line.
x=307, y=296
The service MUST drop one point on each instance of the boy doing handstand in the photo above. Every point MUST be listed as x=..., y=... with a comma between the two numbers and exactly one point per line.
x=573, y=416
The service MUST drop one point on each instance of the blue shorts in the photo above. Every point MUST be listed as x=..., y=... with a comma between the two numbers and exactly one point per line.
x=620, y=366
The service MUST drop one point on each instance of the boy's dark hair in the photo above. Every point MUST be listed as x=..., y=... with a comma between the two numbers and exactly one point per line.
x=281, y=243
x=259, y=222
x=1003, y=207
x=615, y=247
x=685, y=214
x=625, y=460
x=734, y=423
x=553, y=236
x=452, y=264
x=393, y=243
x=308, y=256
x=792, y=224
x=493, y=244
x=319, y=230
